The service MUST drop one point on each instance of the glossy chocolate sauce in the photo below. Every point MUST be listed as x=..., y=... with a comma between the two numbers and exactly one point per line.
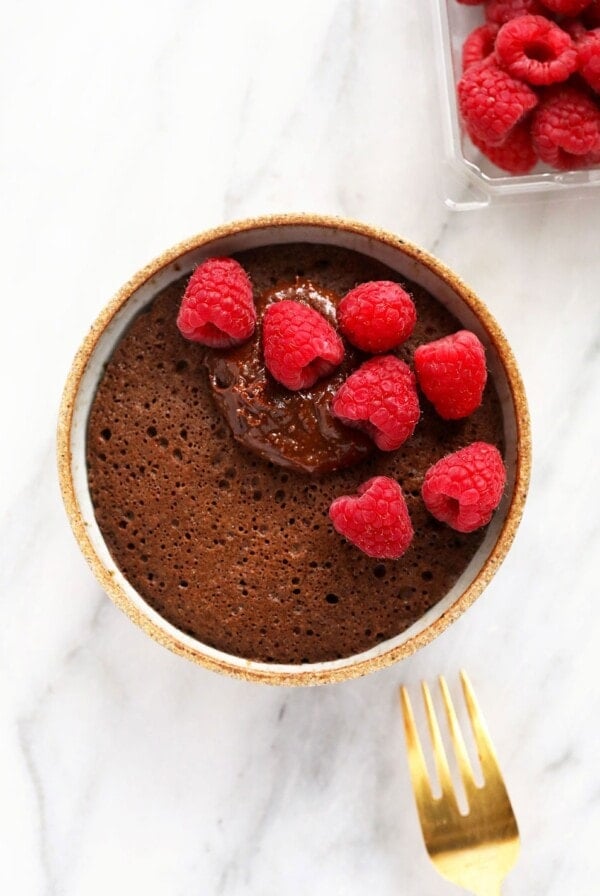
x=293, y=429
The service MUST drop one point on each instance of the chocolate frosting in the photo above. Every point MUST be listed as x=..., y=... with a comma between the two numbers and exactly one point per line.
x=292, y=429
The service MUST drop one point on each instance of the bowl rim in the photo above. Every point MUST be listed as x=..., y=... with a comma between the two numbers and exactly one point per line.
x=306, y=674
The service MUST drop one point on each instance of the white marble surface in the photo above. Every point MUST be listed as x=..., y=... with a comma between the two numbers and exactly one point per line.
x=123, y=769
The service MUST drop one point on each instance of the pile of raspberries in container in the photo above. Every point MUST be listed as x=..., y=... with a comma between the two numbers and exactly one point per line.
x=300, y=346
x=530, y=85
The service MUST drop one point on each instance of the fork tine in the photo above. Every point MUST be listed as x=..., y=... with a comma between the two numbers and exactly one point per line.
x=464, y=764
x=416, y=760
x=439, y=752
x=477, y=849
x=487, y=755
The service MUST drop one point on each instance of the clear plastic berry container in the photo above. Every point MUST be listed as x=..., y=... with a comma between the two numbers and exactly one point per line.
x=468, y=179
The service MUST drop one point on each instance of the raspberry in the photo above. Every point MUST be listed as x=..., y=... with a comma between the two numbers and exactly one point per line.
x=501, y=11
x=377, y=316
x=381, y=399
x=588, y=57
x=491, y=102
x=217, y=308
x=566, y=130
x=536, y=50
x=463, y=489
x=299, y=345
x=478, y=45
x=566, y=7
x=575, y=28
x=591, y=15
x=516, y=154
x=452, y=374
x=375, y=520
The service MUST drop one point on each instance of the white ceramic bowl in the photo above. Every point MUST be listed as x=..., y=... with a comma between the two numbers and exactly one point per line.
x=409, y=262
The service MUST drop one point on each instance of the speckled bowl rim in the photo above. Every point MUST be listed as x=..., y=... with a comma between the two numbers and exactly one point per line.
x=305, y=674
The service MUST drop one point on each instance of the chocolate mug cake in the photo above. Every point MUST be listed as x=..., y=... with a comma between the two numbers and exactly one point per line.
x=213, y=499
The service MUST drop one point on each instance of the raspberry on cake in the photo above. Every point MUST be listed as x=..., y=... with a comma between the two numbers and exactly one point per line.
x=377, y=316
x=375, y=520
x=536, y=50
x=380, y=398
x=295, y=429
x=566, y=129
x=463, y=489
x=299, y=345
x=452, y=373
x=217, y=308
x=492, y=102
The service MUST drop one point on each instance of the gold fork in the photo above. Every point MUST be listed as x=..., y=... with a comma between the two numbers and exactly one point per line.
x=476, y=850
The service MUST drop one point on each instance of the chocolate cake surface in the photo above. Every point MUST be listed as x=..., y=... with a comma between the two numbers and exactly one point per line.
x=234, y=549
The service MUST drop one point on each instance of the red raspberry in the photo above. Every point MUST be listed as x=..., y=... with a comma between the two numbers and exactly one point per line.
x=588, y=56
x=501, y=11
x=463, y=489
x=478, y=45
x=299, y=345
x=491, y=102
x=375, y=520
x=452, y=374
x=381, y=399
x=377, y=316
x=516, y=155
x=217, y=307
x=566, y=130
x=566, y=7
x=536, y=50
x=575, y=28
